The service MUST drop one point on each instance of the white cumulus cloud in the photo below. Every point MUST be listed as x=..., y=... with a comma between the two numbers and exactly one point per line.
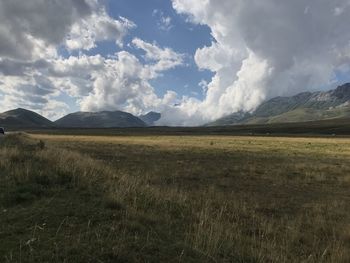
x=119, y=82
x=260, y=49
x=264, y=49
x=33, y=74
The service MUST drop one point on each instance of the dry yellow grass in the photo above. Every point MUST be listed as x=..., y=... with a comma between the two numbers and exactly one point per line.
x=185, y=198
x=331, y=146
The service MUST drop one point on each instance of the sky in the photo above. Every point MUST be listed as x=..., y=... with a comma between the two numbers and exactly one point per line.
x=191, y=60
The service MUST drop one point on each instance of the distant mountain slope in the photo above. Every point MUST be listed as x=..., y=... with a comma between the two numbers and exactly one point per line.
x=230, y=119
x=302, y=107
x=150, y=118
x=104, y=119
x=22, y=118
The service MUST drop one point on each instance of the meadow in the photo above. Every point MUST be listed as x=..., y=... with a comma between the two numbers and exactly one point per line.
x=159, y=198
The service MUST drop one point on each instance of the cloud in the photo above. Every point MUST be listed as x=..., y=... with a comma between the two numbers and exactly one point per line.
x=260, y=49
x=29, y=28
x=98, y=27
x=165, y=58
x=123, y=81
x=118, y=82
x=121, y=84
x=163, y=22
x=33, y=74
x=264, y=49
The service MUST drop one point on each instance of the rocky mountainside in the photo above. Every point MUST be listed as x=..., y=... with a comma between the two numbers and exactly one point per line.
x=103, y=119
x=23, y=118
x=306, y=106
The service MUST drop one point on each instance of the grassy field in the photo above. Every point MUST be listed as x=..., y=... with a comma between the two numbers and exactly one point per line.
x=80, y=198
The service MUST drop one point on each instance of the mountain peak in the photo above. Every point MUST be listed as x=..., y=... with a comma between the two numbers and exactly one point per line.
x=23, y=118
x=305, y=106
x=150, y=118
x=20, y=110
x=342, y=91
x=103, y=119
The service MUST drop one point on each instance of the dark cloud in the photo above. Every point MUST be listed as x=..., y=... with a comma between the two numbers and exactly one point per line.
x=24, y=22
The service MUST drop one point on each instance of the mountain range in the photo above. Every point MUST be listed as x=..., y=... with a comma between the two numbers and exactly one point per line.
x=303, y=107
x=22, y=118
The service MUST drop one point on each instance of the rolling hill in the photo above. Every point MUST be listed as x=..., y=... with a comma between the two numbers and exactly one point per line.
x=24, y=119
x=103, y=119
x=303, y=107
